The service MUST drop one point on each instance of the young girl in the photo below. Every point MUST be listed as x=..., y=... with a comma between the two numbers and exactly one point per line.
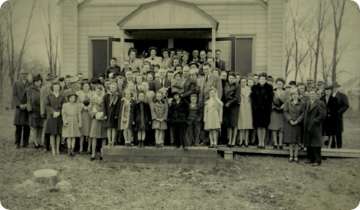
x=213, y=113
x=84, y=99
x=194, y=120
x=245, y=123
x=98, y=130
x=54, y=104
x=159, y=114
x=111, y=108
x=71, y=114
x=142, y=118
x=294, y=115
x=126, y=117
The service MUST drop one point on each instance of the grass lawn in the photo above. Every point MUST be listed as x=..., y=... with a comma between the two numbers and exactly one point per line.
x=252, y=182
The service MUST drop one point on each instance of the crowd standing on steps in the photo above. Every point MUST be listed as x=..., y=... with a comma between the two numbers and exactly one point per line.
x=181, y=99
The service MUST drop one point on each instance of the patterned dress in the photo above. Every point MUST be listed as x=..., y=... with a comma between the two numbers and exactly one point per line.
x=245, y=114
x=159, y=113
x=71, y=114
x=126, y=114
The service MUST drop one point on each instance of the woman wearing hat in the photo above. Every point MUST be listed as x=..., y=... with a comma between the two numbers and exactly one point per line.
x=294, y=114
x=36, y=121
x=54, y=103
x=71, y=116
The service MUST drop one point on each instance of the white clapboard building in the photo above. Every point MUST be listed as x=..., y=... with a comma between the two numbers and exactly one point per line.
x=250, y=33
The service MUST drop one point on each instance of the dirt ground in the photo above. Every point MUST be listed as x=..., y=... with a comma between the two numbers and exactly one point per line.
x=250, y=183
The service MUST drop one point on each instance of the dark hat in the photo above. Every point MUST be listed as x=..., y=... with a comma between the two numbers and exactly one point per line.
x=71, y=93
x=328, y=87
x=37, y=78
x=50, y=77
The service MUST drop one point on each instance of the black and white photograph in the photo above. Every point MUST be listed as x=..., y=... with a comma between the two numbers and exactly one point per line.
x=180, y=104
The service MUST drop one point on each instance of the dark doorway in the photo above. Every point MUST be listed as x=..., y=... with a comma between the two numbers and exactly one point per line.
x=100, y=56
x=142, y=46
x=191, y=44
x=244, y=51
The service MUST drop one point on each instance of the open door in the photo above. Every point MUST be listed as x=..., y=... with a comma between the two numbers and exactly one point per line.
x=100, y=56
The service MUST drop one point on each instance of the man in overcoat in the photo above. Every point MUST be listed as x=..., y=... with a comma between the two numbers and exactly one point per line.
x=19, y=102
x=315, y=113
x=342, y=105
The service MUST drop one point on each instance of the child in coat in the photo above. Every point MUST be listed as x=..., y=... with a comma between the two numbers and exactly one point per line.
x=194, y=120
x=111, y=108
x=71, y=115
x=126, y=117
x=213, y=113
x=142, y=118
x=159, y=114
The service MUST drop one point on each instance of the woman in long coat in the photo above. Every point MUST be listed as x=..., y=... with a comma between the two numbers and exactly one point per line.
x=245, y=121
x=54, y=103
x=330, y=121
x=231, y=100
x=315, y=112
x=98, y=129
x=261, y=98
x=111, y=112
x=84, y=96
x=142, y=118
x=294, y=114
x=36, y=122
x=277, y=117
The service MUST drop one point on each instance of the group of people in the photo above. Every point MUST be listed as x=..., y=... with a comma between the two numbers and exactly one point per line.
x=176, y=99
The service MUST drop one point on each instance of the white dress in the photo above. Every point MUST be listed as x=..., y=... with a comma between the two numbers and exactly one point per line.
x=245, y=114
x=213, y=113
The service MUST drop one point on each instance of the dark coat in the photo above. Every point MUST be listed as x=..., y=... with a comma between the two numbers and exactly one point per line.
x=54, y=104
x=293, y=133
x=220, y=64
x=111, y=111
x=34, y=105
x=342, y=105
x=231, y=99
x=330, y=122
x=261, y=101
x=313, y=118
x=178, y=112
x=20, y=89
x=115, y=70
x=142, y=120
x=190, y=87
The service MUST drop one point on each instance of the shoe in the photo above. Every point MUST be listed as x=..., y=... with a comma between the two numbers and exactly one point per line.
x=281, y=147
x=92, y=158
x=296, y=160
x=291, y=160
x=101, y=158
x=274, y=147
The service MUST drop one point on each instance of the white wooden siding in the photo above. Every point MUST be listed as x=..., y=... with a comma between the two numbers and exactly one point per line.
x=234, y=19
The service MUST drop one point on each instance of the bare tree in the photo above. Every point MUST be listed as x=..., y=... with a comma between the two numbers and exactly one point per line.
x=15, y=56
x=338, y=11
x=51, y=39
x=320, y=27
x=300, y=54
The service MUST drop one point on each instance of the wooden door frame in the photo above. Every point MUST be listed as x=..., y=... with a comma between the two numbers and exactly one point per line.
x=109, y=39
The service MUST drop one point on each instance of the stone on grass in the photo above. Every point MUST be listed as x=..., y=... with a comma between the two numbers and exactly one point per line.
x=46, y=176
x=63, y=186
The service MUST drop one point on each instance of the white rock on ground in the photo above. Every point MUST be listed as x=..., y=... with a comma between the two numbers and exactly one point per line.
x=46, y=176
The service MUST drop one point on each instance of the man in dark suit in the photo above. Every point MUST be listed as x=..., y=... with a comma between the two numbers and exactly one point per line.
x=342, y=106
x=219, y=63
x=19, y=102
x=113, y=69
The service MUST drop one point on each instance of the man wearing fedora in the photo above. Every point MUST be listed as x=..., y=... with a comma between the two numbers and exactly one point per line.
x=342, y=105
x=19, y=102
